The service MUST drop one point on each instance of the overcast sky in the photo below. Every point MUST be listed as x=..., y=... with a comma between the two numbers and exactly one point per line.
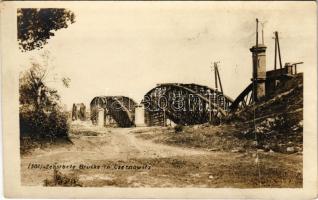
x=126, y=48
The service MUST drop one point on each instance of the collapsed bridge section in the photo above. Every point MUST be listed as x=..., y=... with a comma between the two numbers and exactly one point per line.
x=113, y=111
x=185, y=104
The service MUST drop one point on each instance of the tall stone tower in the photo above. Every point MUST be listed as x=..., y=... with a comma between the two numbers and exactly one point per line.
x=259, y=68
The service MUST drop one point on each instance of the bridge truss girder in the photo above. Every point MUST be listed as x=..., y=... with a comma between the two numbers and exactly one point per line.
x=185, y=104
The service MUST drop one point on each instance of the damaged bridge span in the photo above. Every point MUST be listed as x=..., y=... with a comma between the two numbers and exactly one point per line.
x=176, y=103
x=184, y=104
x=113, y=111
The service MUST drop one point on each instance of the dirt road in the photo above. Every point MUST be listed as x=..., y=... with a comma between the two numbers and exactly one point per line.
x=115, y=157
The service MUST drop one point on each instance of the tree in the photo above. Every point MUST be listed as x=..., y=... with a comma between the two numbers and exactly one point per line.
x=36, y=26
x=40, y=114
x=34, y=91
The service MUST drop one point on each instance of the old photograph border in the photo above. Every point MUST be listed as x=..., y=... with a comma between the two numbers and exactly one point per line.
x=10, y=116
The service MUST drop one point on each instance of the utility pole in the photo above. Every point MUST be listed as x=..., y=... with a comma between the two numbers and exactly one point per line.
x=164, y=117
x=215, y=76
x=256, y=32
x=275, y=57
x=217, y=82
x=210, y=111
x=277, y=50
x=219, y=78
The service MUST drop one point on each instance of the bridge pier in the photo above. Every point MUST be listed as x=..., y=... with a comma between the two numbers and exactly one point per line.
x=140, y=116
x=259, y=70
x=100, y=117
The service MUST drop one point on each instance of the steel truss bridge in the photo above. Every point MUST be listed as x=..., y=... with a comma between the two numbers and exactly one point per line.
x=243, y=100
x=119, y=108
x=185, y=104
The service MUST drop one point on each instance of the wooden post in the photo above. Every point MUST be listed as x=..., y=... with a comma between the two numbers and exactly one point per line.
x=256, y=32
x=215, y=76
x=275, y=57
x=210, y=110
x=279, y=55
x=164, y=117
x=219, y=78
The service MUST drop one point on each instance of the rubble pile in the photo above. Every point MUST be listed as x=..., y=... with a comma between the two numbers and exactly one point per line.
x=273, y=135
x=278, y=122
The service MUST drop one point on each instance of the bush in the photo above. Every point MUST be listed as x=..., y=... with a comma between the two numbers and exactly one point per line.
x=39, y=111
x=178, y=128
x=40, y=125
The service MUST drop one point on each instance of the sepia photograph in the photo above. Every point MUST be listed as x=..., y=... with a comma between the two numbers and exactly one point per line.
x=204, y=95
